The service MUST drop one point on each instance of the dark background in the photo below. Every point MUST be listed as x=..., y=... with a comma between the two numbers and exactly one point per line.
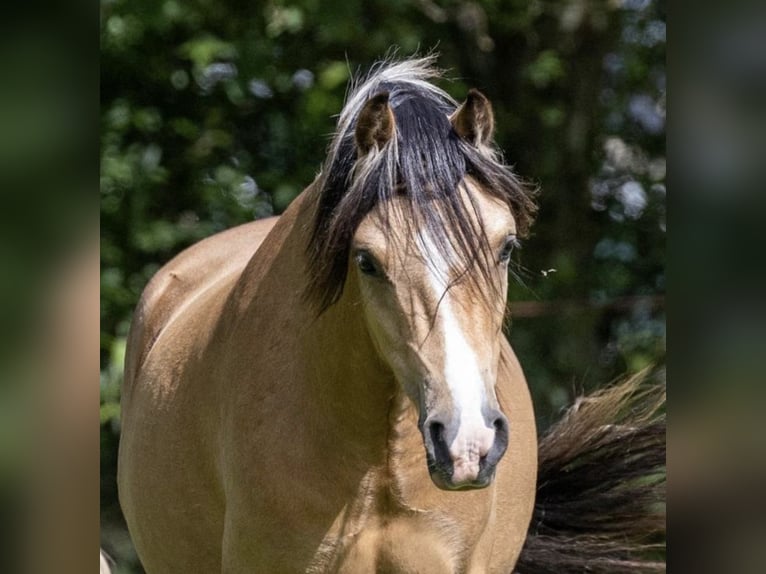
x=216, y=113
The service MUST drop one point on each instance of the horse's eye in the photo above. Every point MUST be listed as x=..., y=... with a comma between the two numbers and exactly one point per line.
x=367, y=264
x=507, y=249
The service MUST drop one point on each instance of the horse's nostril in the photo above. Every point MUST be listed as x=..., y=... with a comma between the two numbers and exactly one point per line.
x=500, y=442
x=437, y=433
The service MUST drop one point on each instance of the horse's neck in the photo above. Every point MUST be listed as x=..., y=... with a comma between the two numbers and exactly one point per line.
x=337, y=375
x=336, y=378
x=376, y=420
x=351, y=386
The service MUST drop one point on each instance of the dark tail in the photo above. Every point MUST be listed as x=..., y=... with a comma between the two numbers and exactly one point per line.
x=601, y=486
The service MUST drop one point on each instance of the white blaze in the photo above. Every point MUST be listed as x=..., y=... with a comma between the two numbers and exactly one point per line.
x=461, y=373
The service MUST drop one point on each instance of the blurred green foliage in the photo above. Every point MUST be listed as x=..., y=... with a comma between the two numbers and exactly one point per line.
x=216, y=113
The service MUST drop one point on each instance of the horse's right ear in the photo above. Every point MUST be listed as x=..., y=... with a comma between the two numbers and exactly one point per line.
x=375, y=125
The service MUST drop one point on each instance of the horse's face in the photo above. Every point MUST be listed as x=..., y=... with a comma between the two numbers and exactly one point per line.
x=440, y=334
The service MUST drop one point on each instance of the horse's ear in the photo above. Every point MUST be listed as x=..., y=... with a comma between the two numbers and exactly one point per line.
x=474, y=121
x=375, y=125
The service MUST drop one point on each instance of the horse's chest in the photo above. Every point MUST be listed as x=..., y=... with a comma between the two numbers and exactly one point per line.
x=397, y=546
x=434, y=541
x=405, y=525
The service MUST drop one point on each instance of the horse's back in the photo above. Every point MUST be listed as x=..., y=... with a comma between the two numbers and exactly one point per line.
x=186, y=278
x=168, y=471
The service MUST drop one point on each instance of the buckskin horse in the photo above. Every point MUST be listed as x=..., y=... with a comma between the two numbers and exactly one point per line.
x=331, y=390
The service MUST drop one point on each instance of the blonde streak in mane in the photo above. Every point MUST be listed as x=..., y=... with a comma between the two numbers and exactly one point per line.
x=416, y=72
x=367, y=165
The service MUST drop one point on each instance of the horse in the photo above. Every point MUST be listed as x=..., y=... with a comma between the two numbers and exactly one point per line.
x=331, y=390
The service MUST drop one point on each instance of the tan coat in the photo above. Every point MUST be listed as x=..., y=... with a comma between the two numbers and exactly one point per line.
x=257, y=438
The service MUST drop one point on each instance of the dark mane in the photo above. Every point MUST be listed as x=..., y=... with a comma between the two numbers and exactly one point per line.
x=426, y=159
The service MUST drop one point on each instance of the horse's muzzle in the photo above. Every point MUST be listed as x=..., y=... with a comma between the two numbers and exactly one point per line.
x=464, y=458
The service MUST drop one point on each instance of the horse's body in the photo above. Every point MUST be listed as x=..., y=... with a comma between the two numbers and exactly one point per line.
x=244, y=451
x=260, y=437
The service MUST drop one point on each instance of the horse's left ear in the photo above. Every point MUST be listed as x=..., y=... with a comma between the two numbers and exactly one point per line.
x=474, y=121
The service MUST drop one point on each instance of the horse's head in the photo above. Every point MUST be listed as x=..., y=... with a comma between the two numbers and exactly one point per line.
x=420, y=213
x=435, y=318
x=439, y=335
